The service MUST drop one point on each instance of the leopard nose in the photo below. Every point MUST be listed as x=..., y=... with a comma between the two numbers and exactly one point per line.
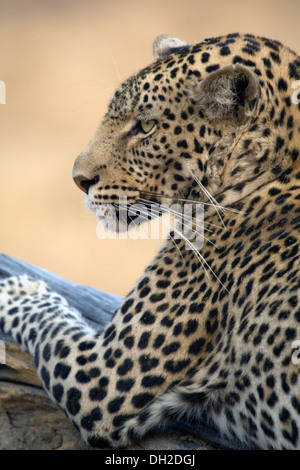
x=84, y=183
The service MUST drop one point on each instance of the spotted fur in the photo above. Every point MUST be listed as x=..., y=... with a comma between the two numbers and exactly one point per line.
x=212, y=330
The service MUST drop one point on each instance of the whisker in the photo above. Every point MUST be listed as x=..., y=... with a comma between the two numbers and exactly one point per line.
x=189, y=218
x=185, y=225
x=175, y=198
x=207, y=193
x=210, y=198
x=201, y=259
x=179, y=214
x=145, y=217
x=185, y=200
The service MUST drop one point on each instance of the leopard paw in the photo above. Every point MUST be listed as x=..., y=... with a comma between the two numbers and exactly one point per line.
x=15, y=287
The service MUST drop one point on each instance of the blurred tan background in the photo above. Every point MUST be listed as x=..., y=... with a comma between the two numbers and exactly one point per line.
x=61, y=61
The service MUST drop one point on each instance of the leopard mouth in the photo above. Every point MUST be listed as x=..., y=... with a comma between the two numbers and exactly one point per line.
x=123, y=217
x=120, y=213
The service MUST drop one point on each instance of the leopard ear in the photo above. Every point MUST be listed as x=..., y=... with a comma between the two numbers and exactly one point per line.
x=165, y=45
x=232, y=91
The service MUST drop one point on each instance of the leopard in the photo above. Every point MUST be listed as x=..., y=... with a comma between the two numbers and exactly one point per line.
x=210, y=328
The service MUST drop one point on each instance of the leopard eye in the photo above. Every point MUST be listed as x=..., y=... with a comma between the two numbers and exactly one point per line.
x=147, y=126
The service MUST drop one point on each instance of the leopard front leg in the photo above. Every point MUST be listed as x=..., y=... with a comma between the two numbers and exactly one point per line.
x=106, y=381
x=20, y=297
x=42, y=323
